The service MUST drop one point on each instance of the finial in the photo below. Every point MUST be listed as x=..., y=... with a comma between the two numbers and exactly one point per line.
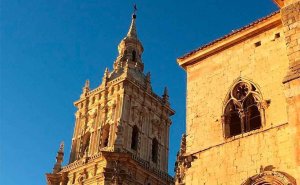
x=134, y=11
x=86, y=88
x=148, y=76
x=59, y=159
x=61, y=147
x=105, y=77
x=132, y=29
x=106, y=72
x=166, y=95
x=87, y=84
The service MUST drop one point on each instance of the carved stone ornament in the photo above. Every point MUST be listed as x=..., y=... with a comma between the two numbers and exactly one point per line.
x=242, y=93
x=92, y=113
x=91, y=119
x=270, y=177
x=116, y=175
x=241, y=90
x=264, y=104
x=82, y=176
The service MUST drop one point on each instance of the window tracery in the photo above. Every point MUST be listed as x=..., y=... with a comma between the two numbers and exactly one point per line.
x=243, y=111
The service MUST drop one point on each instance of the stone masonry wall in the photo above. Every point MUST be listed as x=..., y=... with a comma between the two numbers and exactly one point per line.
x=233, y=160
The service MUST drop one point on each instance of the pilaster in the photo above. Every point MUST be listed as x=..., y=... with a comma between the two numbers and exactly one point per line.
x=290, y=15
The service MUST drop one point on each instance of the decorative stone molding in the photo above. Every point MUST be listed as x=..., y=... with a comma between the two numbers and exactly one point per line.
x=270, y=177
x=82, y=177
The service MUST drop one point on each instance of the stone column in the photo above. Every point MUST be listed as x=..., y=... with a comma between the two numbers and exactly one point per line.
x=290, y=15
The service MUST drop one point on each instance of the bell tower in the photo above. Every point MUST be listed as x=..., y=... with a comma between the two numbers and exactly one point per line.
x=121, y=132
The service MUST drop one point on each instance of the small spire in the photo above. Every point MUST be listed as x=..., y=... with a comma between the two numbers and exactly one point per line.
x=105, y=77
x=86, y=88
x=59, y=159
x=106, y=72
x=148, y=82
x=61, y=147
x=166, y=95
x=132, y=29
x=87, y=84
x=148, y=77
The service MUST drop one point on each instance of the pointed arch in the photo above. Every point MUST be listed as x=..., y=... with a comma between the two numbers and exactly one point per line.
x=242, y=111
x=255, y=88
x=270, y=177
x=252, y=114
x=232, y=119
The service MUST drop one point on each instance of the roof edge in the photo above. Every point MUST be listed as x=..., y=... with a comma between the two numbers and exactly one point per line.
x=246, y=32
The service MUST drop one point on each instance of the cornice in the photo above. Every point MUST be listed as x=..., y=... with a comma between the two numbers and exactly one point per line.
x=231, y=39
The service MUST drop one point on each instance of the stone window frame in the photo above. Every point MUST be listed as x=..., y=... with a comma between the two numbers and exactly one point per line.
x=105, y=134
x=135, y=138
x=155, y=150
x=241, y=90
x=84, y=144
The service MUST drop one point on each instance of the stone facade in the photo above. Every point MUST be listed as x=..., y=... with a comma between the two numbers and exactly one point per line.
x=121, y=133
x=243, y=105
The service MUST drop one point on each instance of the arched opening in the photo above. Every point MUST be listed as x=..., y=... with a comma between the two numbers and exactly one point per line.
x=270, y=178
x=134, y=137
x=154, y=150
x=233, y=122
x=133, y=55
x=85, y=142
x=105, y=136
x=242, y=113
x=73, y=151
x=252, y=114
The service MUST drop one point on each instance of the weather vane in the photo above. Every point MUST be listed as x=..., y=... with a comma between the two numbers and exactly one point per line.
x=134, y=10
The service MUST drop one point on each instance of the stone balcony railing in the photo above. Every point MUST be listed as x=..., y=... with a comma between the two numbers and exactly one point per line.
x=145, y=164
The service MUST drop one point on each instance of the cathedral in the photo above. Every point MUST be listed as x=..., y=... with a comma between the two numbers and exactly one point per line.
x=242, y=114
x=243, y=105
x=121, y=132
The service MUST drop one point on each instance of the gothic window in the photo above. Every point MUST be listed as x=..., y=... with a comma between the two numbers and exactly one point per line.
x=105, y=135
x=134, y=137
x=133, y=55
x=242, y=111
x=154, y=150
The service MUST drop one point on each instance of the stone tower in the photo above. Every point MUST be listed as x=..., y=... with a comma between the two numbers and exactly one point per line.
x=121, y=132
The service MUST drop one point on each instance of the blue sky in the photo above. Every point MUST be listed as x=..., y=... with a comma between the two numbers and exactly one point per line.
x=49, y=48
